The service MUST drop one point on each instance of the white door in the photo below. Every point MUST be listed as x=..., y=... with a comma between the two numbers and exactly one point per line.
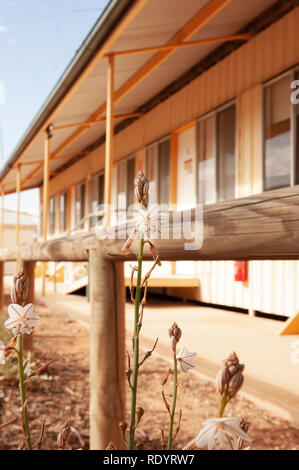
x=186, y=187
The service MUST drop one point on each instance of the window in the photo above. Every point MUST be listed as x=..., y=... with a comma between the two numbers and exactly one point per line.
x=216, y=148
x=158, y=171
x=277, y=149
x=63, y=212
x=96, y=198
x=226, y=136
x=52, y=203
x=79, y=204
x=206, y=160
x=125, y=187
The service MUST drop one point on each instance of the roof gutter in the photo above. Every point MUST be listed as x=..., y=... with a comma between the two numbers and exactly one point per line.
x=110, y=17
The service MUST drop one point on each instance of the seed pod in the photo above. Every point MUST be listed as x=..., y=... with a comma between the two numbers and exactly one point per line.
x=122, y=426
x=139, y=413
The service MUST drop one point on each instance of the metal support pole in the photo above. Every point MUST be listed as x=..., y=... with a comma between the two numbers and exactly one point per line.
x=46, y=200
x=107, y=351
x=109, y=141
x=18, y=188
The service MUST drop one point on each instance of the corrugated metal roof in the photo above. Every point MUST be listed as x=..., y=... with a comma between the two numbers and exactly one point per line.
x=154, y=24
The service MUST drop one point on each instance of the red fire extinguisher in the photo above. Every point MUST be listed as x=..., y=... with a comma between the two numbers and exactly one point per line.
x=240, y=271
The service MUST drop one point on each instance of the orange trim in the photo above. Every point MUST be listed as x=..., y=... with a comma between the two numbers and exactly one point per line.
x=192, y=26
x=185, y=126
x=164, y=47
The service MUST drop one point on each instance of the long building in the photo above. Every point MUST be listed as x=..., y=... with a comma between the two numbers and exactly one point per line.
x=197, y=94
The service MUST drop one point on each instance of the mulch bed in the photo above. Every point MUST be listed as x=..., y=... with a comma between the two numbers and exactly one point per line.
x=62, y=394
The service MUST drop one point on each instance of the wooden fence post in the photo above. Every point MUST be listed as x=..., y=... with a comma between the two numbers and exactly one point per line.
x=1, y=284
x=107, y=351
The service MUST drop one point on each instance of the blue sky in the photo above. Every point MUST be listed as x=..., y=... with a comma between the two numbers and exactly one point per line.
x=38, y=38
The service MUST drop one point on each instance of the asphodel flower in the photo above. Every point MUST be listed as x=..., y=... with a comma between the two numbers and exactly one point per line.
x=185, y=360
x=21, y=319
x=221, y=434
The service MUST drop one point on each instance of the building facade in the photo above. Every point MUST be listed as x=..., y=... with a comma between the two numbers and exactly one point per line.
x=230, y=131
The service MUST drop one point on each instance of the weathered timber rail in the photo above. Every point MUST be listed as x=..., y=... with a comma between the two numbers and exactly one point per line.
x=265, y=226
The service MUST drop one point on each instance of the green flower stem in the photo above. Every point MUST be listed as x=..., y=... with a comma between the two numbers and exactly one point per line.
x=136, y=346
x=23, y=391
x=224, y=402
x=173, y=405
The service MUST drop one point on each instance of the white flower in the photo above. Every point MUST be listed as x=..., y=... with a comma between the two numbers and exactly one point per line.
x=21, y=319
x=185, y=360
x=221, y=434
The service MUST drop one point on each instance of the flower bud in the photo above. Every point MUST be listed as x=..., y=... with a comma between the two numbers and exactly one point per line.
x=233, y=370
x=140, y=446
x=244, y=425
x=232, y=360
x=236, y=383
x=141, y=189
x=222, y=379
x=175, y=334
x=63, y=436
x=13, y=295
x=22, y=445
x=19, y=290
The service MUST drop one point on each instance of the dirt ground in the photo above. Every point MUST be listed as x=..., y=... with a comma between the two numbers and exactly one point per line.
x=61, y=394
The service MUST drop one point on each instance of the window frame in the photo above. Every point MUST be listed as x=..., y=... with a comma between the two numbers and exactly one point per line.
x=214, y=113
x=156, y=143
x=125, y=160
x=294, y=140
x=76, y=223
x=52, y=216
x=95, y=219
x=63, y=193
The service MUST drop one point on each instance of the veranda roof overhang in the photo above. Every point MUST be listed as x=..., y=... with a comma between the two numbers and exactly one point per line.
x=153, y=44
